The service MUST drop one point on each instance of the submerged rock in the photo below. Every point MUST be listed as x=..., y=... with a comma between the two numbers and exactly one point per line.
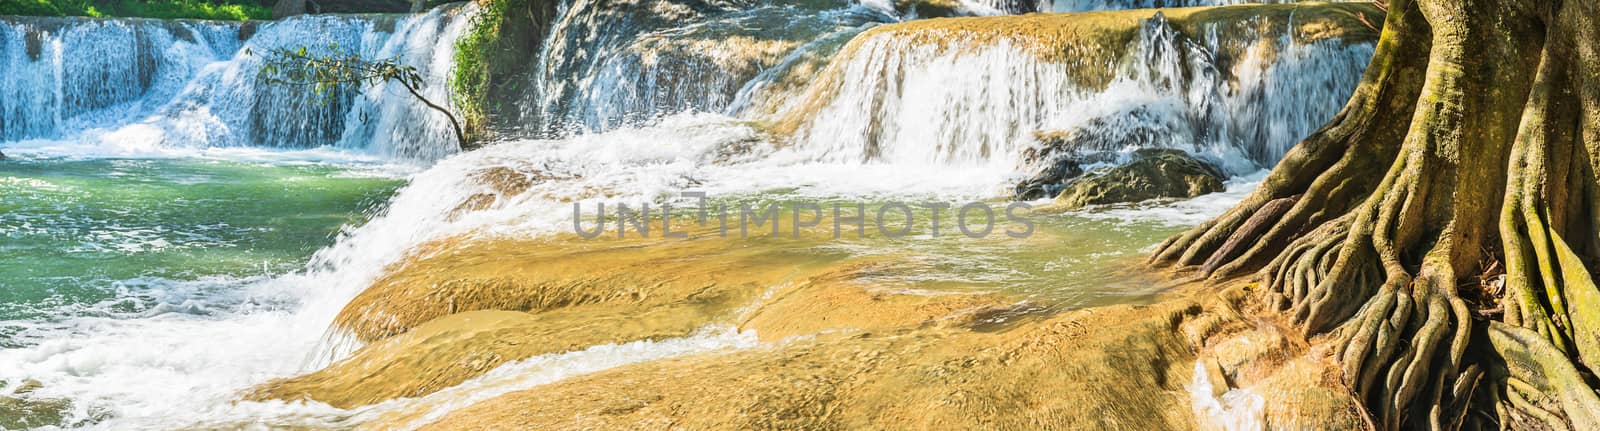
x=28, y=413
x=22, y=410
x=1153, y=174
x=502, y=183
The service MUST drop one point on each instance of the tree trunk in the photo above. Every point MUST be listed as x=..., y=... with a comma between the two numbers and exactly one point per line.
x=1472, y=140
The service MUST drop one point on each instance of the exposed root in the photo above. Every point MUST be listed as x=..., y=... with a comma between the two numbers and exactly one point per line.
x=1373, y=268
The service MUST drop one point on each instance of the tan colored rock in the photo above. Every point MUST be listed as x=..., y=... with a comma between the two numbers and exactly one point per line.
x=467, y=306
x=1118, y=367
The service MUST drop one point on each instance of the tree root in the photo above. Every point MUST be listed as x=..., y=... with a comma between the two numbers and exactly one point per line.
x=1469, y=158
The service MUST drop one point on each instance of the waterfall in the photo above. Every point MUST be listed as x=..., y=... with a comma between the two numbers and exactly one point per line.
x=1091, y=5
x=604, y=66
x=1237, y=96
x=124, y=84
x=66, y=73
x=632, y=101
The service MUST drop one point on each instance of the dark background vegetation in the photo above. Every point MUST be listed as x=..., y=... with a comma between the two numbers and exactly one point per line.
x=199, y=9
x=194, y=9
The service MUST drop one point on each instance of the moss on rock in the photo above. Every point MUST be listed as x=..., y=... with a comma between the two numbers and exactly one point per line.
x=492, y=62
x=1153, y=174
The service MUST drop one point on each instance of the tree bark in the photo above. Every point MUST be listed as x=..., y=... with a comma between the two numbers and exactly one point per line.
x=455, y=126
x=1471, y=140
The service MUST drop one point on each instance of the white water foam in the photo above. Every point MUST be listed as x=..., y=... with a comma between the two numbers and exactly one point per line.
x=1234, y=410
x=904, y=100
x=139, y=88
x=185, y=366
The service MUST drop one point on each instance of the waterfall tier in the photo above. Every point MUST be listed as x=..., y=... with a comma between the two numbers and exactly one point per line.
x=123, y=85
x=1237, y=88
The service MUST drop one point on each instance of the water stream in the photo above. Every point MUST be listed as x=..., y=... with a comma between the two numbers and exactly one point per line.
x=173, y=231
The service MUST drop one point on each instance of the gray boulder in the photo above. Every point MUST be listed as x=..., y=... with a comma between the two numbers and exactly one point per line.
x=1153, y=173
x=1059, y=156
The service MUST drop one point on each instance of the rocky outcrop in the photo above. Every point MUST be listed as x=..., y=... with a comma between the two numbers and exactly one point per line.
x=1061, y=156
x=1152, y=174
x=611, y=64
x=492, y=64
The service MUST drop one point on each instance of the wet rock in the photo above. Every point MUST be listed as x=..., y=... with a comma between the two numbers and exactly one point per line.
x=460, y=308
x=503, y=183
x=27, y=387
x=33, y=43
x=2, y=155
x=27, y=413
x=1118, y=367
x=1252, y=355
x=953, y=8
x=248, y=29
x=1153, y=174
x=931, y=8
x=20, y=410
x=1052, y=171
x=1059, y=156
x=627, y=62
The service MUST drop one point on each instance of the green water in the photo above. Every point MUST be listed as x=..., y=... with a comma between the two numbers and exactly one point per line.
x=80, y=232
x=1068, y=260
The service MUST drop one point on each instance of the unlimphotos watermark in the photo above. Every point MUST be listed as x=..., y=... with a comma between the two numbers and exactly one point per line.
x=891, y=219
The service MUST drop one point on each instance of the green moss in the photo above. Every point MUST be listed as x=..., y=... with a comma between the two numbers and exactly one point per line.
x=474, y=59
x=233, y=10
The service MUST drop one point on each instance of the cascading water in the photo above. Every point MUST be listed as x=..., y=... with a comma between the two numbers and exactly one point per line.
x=140, y=86
x=944, y=119
x=604, y=67
x=1092, y=5
x=732, y=99
x=925, y=97
x=67, y=74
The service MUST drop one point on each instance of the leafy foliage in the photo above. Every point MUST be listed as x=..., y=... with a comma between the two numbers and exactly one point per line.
x=235, y=10
x=327, y=74
x=475, y=49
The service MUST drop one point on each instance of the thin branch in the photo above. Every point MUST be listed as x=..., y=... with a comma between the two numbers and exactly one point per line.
x=302, y=69
x=461, y=139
